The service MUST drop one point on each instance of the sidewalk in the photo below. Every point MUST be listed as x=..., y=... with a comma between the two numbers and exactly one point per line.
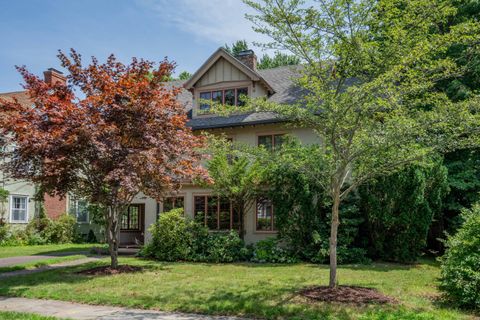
x=79, y=311
x=12, y=261
x=49, y=267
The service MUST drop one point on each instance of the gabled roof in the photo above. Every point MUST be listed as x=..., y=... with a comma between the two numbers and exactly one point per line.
x=222, y=53
x=21, y=96
x=286, y=92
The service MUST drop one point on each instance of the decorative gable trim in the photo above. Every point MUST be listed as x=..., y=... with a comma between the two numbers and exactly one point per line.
x=222, y=53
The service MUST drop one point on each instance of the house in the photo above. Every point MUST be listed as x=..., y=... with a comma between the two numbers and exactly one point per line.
x=224, y=78
x=21, y=206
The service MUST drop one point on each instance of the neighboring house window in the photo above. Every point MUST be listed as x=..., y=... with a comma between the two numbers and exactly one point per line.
x=271, y=142
x=131, y=219
x=265, y=215
x=170, y=203
x=231, y=97
x=215, y=213
x=79, y=209
x=19, y=209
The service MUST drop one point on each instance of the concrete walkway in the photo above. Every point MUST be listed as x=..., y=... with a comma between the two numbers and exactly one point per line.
x=49, y=267
x=13, y=261
x=78, y=311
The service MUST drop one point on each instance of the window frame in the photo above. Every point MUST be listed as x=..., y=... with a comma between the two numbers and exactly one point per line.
x=175, y=198
x=272, y=224
x=205, y=220
x=139, y=225
x=75, y=201
x=222, y=90
x=27, y=200
x=272, y=138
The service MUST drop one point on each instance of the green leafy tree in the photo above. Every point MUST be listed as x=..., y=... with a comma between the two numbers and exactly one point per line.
x=236, y=47
x=238, y=174
x=184, y=75
x=371, y=73
x=399, y=210
x=279, y=59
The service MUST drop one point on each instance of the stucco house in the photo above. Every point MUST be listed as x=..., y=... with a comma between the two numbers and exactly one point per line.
x=222, y=78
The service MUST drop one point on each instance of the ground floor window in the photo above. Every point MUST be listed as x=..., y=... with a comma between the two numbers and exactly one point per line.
x=265, y=215
x=19, y=208
x=79, y=209
x=216, y=213
x=170, y=203
x=131, y=219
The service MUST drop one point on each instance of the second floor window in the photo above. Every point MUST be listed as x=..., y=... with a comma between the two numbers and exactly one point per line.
x=231, y=97
x=271, y=142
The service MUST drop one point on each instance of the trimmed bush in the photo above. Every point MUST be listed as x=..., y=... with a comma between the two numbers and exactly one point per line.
x=460, y=269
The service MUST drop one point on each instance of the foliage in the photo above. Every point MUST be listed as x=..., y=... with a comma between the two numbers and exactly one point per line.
x=399, y=210
x=460, y=269
x=266, y=62
x=184, y=75
x=270, y=250
x=124, y=133
x=225, y=247
x=302, y=215
x=237, y=47
x=279, y=59
x=170, y=237
x=238, y=173
x=371, y=73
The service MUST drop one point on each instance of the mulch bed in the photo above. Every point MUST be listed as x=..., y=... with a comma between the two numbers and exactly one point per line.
x=107, y=270
x=347, y=294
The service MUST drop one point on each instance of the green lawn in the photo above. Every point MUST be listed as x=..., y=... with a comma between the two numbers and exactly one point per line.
x=6, y=315
x=16, y=251
x=266, y=291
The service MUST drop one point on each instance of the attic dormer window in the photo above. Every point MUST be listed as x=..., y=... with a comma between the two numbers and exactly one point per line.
x=230, y=97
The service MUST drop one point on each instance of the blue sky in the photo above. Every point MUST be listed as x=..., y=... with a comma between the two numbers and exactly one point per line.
x=186, y=31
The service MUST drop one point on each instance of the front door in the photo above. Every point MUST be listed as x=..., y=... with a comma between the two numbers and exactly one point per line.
x=132, y=226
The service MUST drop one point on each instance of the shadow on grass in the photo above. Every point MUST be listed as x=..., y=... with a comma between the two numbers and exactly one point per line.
x=251, y=299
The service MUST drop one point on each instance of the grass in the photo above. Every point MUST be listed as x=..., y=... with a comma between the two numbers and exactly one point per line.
x=253, y=290
x=16, y=251
x=41, y=263
x=7, y=315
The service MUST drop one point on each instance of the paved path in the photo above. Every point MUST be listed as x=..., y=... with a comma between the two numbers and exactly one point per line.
x=49, y=267
x=13, y=261
x=78, y=311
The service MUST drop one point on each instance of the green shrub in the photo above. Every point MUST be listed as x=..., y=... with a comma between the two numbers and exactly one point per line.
x=61, y=230
x=399, y=210
x=271, y=251
x=225, y=247
x=460, y=269
x=171, y=238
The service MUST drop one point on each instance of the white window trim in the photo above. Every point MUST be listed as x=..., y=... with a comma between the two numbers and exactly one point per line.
x=76, y=213
x=26, y=208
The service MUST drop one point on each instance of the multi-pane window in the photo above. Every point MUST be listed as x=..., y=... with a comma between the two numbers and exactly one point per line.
x=79, y=209
x=18, y=209
x=131, y=219
x=231, y=97
x=265, y=215
x=271, y=142
x=170, y=203
x=216, y=213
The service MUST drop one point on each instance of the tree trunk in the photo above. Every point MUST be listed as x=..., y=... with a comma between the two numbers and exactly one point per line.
x=333, y=237
x=113, y=234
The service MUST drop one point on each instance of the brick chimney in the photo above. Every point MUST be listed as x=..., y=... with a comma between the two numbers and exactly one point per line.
x=248, y=58
x=53, y=76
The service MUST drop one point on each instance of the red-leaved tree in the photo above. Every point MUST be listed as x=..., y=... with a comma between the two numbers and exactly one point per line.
x=114, y=131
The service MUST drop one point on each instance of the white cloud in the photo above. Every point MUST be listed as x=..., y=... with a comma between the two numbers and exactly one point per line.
x=217, y=21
